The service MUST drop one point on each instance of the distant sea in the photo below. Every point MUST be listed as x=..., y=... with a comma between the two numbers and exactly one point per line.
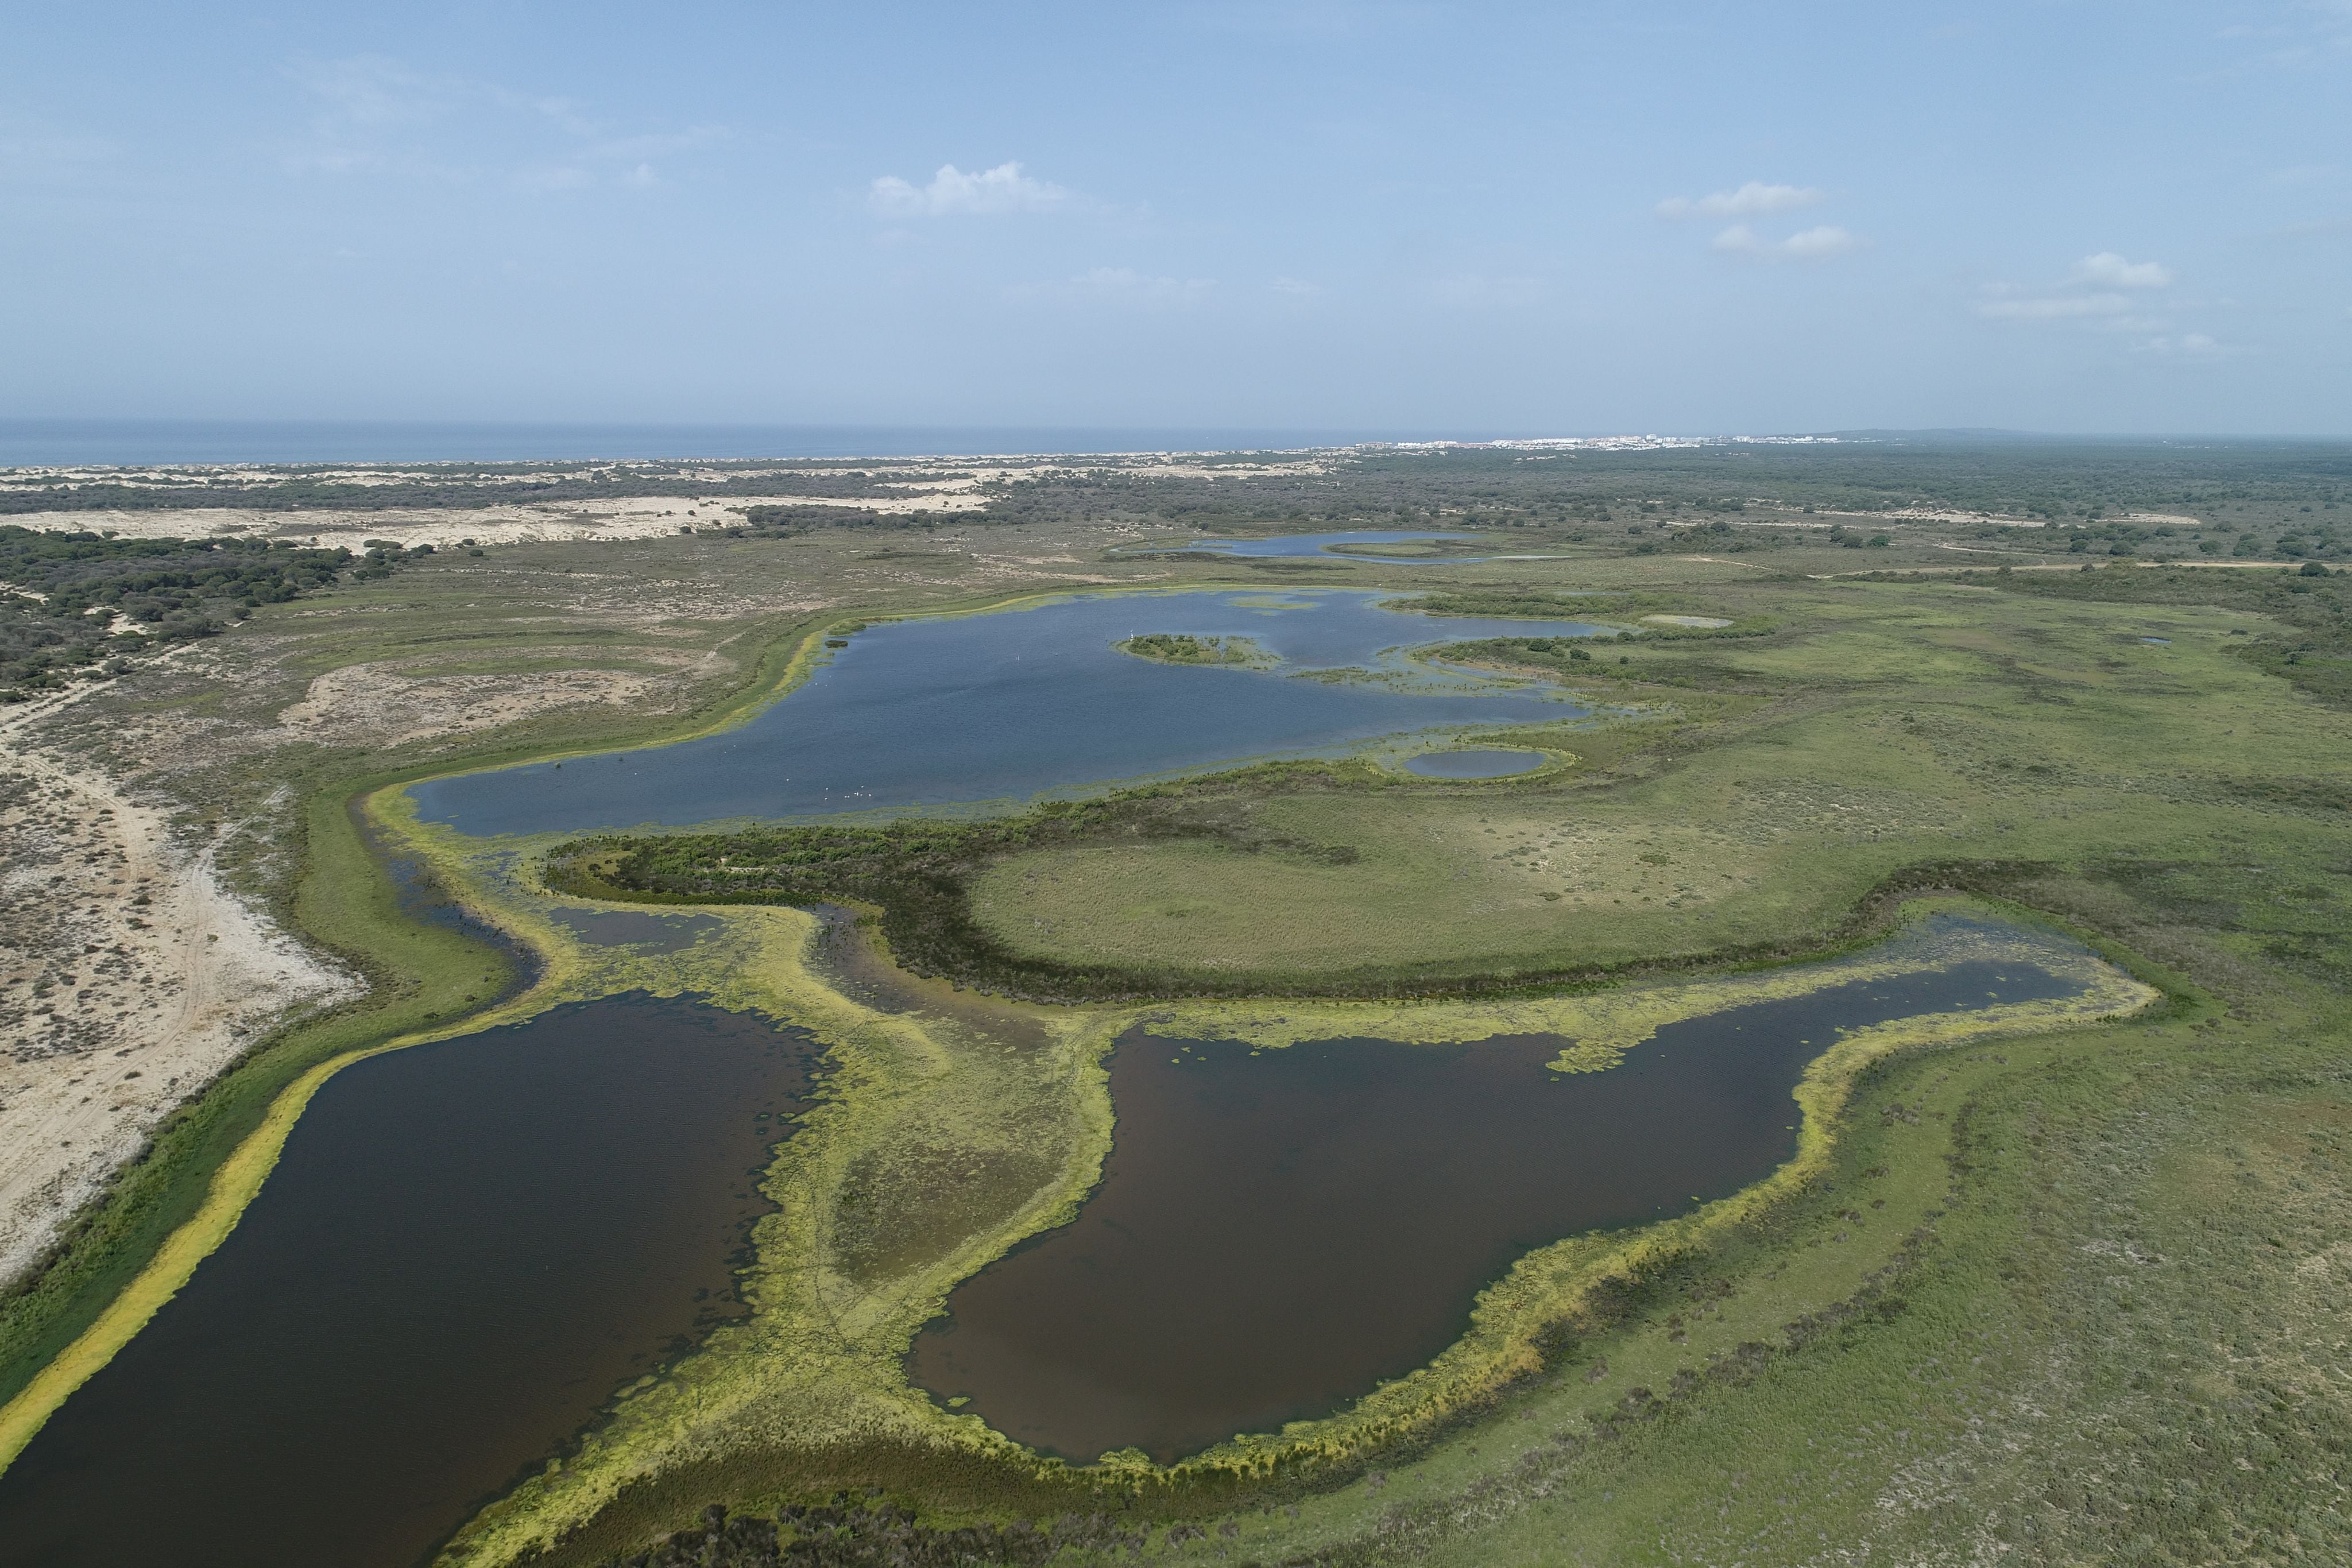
x=56, y=443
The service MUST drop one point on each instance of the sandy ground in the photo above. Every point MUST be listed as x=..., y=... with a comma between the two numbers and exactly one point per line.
x=130, y=976
x=385, y=704
x=634, y=518
x=923, y=487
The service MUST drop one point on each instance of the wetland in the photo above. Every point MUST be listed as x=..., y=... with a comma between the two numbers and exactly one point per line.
x=2130, y=1192
x=1028, y=700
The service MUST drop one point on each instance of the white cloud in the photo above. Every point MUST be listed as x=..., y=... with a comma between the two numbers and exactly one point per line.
x=1811, y=244
x=1296, y=288
x=1814, y=243
x=1124, y=285
x=2092, y=296
x=1754, y=199
x=2111, y=271
x=1003, y=189
x=2053, y=308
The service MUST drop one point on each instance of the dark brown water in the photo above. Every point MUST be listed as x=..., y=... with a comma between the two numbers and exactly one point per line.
x=1275, y=1233
x=466, y=1250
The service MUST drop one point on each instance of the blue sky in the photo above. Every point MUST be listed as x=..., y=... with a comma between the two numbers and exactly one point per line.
x=1460, y=219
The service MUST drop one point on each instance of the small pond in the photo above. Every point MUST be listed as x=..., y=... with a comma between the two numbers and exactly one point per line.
x=641, y=929
x=466, y=1250
x=1496, y=762
x=1276, y=1232
x=1015, y=703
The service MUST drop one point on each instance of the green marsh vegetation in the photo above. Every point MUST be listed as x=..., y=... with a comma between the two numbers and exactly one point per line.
x=1178, y=648
x=2096, y=1317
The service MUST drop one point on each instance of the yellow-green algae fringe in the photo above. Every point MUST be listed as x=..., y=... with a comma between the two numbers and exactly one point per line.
x=819, y=1363
x=948, y=1082
x=756, y=966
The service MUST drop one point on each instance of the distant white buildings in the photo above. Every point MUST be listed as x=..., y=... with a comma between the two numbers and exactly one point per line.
x=1600, y=443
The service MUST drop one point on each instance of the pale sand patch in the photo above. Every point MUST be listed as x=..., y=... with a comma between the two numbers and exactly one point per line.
x=937, y=487
x=383, y=705
x=114, y=1013
x=1703, y=622
x=634, y=518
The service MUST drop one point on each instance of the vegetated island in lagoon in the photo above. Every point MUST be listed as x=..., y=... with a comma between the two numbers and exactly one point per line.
x=1013, y=704
x=1183, y=648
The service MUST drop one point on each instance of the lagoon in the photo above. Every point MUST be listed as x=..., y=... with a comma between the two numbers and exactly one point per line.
x=1276, y=1232
x=1016, y=704
x=466, y=1250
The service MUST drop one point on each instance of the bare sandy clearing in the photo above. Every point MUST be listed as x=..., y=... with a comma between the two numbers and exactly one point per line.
x=387, y=703
x=129, y=978
x=621, y=519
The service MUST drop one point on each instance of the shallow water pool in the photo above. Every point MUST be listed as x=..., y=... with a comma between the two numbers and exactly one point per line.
x=1474, y=763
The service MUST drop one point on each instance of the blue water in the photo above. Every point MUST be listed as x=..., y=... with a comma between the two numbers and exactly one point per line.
x=1019, y=703
x=1486, y=763
x=62, y=443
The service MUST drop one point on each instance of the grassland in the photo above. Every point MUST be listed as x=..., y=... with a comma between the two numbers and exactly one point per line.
x=1903, y=724
x=2066, y=1296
